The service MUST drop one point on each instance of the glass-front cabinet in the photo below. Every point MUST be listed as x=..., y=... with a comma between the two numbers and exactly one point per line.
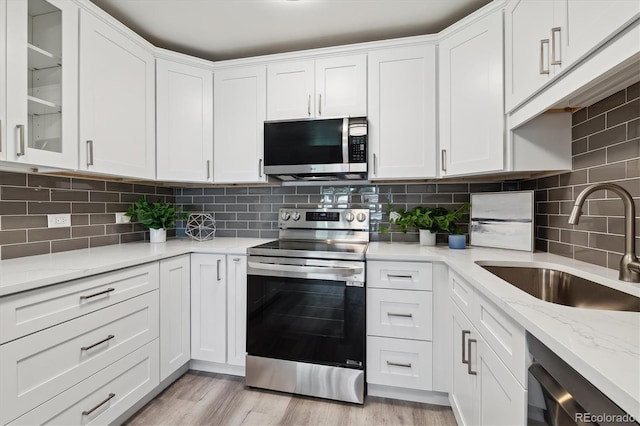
x=42, y=82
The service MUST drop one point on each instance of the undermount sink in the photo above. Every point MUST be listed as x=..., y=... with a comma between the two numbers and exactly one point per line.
x=564, y=288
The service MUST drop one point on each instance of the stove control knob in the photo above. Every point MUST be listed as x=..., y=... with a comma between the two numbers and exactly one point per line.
x=361, y=217
x=349, y=217
x=295, y=216
x=285, y=215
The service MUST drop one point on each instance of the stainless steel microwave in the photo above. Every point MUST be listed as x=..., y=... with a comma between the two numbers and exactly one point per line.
x=316, y=149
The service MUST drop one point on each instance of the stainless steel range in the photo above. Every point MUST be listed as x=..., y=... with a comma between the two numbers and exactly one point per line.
x=306, y=305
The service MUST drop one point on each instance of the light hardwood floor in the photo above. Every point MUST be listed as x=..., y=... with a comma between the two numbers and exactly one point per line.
x=199, y=398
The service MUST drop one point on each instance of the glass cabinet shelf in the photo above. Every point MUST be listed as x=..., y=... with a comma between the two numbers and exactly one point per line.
x=39, y=106
x=41, y=59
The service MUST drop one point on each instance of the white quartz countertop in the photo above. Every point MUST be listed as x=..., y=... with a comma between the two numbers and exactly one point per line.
x=603, y=346
x=31, y=272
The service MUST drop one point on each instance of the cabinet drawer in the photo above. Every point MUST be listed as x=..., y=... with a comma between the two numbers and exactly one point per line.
x=26, y=313
x=128, y=380
x=400, y=275
x=399, y=362
x=37, y=367
x=503, y=335
x=399, y=313
x=462, y=293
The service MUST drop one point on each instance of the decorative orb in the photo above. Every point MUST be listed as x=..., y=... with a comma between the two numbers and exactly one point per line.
x=201, y=227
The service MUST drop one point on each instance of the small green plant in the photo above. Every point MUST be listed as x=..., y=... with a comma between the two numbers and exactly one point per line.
x=155, y=215
x=433, y=219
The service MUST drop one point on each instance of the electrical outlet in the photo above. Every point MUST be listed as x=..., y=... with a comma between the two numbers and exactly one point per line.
x=58, y=220
x=121, y=218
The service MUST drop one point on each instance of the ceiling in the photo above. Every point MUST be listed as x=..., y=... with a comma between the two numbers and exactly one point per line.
x=227, y=29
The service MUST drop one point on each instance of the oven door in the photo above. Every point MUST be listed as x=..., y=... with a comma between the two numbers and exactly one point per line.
x=306, y=310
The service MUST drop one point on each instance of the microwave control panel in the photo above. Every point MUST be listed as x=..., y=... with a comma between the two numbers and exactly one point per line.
x=358, y=149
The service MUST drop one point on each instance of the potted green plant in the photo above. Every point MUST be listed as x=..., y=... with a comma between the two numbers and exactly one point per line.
x=424, y=219
x=448, y=222
x=157, y=217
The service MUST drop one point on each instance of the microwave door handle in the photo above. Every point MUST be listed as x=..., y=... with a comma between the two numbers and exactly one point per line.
x=345, y=141
x=334, y=270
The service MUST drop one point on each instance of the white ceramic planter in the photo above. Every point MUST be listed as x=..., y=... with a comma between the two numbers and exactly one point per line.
x=158, y=235
x=427, y=238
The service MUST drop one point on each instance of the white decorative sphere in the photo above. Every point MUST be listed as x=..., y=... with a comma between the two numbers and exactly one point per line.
x=201, y=226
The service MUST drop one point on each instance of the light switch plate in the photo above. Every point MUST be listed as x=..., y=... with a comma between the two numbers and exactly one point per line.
x=59, y=220
x=121, y=218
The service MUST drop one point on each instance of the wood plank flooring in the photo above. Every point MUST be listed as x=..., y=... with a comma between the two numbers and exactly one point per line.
x=199, y=398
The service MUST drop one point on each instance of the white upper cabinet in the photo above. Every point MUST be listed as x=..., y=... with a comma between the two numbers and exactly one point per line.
x=527, y=48
x=471, y=98
x=42, y=83
x=184, y=114
x=117, y=102
x=402, y=112
x=239, y=113
x=594, y=21
x=329, y=87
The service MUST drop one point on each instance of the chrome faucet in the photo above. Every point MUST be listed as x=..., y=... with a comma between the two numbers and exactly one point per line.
x=629, y=265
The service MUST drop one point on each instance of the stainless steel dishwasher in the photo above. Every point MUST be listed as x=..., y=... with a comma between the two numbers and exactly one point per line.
x=559, y=395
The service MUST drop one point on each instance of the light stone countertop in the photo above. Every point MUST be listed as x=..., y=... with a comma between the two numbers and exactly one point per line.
x=31, y=272
x=603, y=346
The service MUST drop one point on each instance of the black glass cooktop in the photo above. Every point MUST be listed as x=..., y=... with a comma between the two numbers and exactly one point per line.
x=319, y=249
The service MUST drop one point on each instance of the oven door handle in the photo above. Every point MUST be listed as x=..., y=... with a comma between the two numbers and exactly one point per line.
x=333, y=270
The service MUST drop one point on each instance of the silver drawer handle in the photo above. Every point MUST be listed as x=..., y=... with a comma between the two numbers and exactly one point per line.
x=469, y=370
x=399, y=276
x=391, y=314
x=100, y=404
x=86, y=348
x=100, y=293
x=399, y=364
x=464, y=333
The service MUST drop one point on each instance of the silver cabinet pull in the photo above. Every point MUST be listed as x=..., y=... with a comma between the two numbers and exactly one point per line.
x=469, y=370
x=464, y=333
x=236, y=259
x=86, y=348
x=391, y=314
x=208, y=169
x=218, y=269
x=89, y=153
x=309, y=106
x=320, y=104
x=542, y=43
x=100, y=404
x=556, y=31
x=399, y=276
x=20, y=152
x=109, y=290
x=260, y=168
x=375, y=164
x=443, y=160
x=399, y=364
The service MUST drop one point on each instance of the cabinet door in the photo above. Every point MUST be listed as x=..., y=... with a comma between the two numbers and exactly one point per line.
x=208, y=307
x=237, y=310
x=341, y=86
x=402, y=113
x=527, y=48
x=42, y=82
x=471, y=99
x=463, y=384
x=592, y=22
x=239, y=114
x=175, y=314
x=184, y=111
x=290, y=90
x=501, y=399
x=117, y=102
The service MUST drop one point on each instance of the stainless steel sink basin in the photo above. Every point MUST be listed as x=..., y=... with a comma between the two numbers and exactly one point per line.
x=566, y=289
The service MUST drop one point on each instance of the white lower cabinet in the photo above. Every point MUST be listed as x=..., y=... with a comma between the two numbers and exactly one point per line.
x=104, y=396
x=175, y=314
x=484, y=390
x=399, y=362
x=218, y=311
